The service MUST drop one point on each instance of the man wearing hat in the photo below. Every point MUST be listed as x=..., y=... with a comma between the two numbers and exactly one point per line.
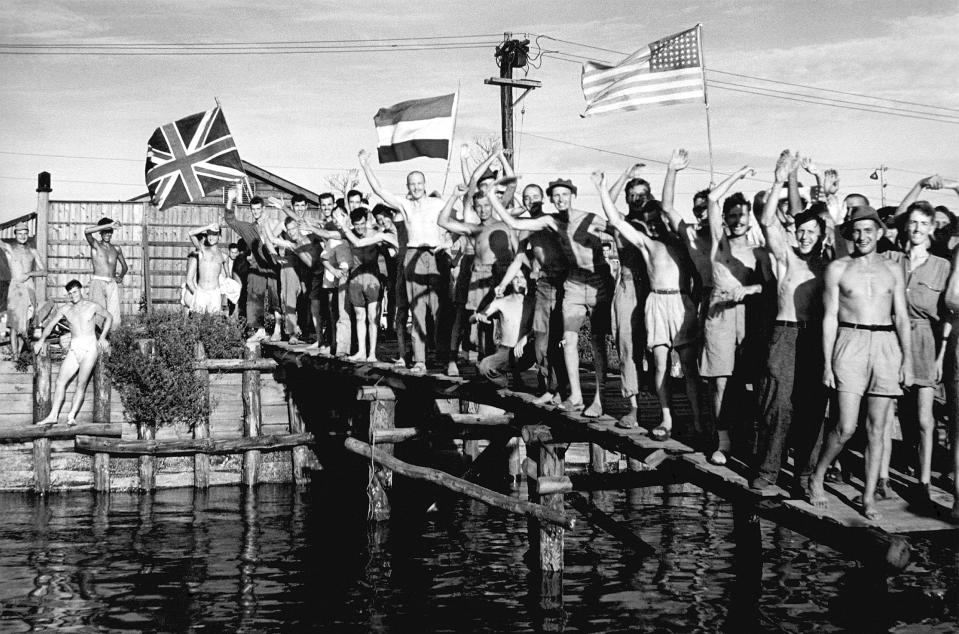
x=587, y=291
x=25, y=264
x=207, y=275
x=866, y=346
x=104, y=285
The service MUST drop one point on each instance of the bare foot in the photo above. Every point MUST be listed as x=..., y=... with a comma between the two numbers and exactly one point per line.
x=452, y=369
x=313, y=346
x=869, y=510
x=71, y=421
x=545, y=399
x=276, y=336
x=325, y=350
x=573, y=407
x=817, y=494
x=49, y=420
x=357, y=357
x=399, y=363
x=372, y=359
x=594, y=410
x=418, y=368
x=629, y=421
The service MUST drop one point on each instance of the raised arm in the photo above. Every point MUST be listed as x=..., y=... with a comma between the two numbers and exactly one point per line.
x=519, y=261
x=772, y=227
x=377, y=237
x=446, y=220
x=229, y=213
x=632, y=172
x=199, y=231
x=521, y=224
x=716, y=194
x=929, y=182
x=477, y=173
x=612, y=214
x=464, y=162
x=389, y=198
x=677, y=162
x=795, y=200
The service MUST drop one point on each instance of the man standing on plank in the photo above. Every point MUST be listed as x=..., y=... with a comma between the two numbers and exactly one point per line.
x=207, y=273
x=865, y=353
x=25, y=264
x=791, y=389
x=85, y=347
x=426, y=275
x=104, y=285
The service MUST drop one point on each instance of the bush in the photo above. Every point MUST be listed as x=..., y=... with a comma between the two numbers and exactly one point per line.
x=161, y=389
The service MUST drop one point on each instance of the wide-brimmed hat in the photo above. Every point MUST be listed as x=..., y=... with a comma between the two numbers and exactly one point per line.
x=562, y=182
x=862, y=212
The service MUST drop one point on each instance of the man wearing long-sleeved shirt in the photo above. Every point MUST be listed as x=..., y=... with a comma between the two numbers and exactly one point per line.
x=263, y=274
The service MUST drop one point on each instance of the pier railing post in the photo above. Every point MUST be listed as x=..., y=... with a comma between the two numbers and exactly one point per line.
x=300, y=455
x=146, y=430
x=201, y=429
x=101, y=416
x=252, y=416
x=382, y=402
x=550, y=462
x=42, y=402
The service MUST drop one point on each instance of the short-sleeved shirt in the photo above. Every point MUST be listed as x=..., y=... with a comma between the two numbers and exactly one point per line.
x=339, y=257
x=925, y=284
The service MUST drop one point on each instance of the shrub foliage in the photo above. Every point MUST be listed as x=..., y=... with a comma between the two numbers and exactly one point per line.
x=161, y=389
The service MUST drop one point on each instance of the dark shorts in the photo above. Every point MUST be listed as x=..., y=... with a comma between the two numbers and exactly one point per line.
x=364, y=289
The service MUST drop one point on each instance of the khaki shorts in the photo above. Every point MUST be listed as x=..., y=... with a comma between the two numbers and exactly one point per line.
x=923, y=353
x=867, y=362
x=364, y=289
x=671, y=319
x=588, y=294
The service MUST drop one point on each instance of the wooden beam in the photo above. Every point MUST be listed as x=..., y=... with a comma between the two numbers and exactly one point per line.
x=59, y=432
x=201, y=429
x=624, y=480
x=619, y=530
x=235, y=365
x=42, y=403
x=382, y=404
x=458, y=485
x=252, y=416
x=188, y=446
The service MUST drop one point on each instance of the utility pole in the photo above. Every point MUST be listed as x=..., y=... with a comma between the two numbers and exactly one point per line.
x=880, y=175
x=510, y=54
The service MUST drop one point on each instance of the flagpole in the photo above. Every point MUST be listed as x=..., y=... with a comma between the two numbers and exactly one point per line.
x=709, y=131
x=449, y=153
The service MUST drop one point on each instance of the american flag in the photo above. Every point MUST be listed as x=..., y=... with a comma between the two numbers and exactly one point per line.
x=665, y=72
x=190, y=158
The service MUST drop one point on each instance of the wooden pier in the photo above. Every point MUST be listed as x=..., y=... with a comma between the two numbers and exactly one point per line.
x=547, y=432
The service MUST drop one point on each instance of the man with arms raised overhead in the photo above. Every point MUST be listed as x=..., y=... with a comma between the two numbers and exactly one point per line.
x=865, y=353
x=25, y=264
x=208, y=271
x=426, y=276
x=587, y=292
x=790, y=388
x=669, y=313
x=85, y=347
x=104, y=285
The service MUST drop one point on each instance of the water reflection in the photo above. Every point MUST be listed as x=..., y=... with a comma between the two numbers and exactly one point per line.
x=282, y=559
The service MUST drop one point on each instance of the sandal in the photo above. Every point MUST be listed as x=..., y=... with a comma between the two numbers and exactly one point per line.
x=418, y=368
x=661, y=433
x=628, y=421
x=718, y=458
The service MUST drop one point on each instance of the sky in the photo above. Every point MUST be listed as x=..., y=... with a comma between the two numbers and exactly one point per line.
x=305, y=116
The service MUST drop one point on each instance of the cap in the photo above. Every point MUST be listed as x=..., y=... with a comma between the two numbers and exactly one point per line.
x=562, y=182
x=21, y=226
x=488, y=174
x=862, y=212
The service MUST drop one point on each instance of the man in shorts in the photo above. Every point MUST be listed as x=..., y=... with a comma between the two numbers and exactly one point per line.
x=365, y=282
x=587, y=292
x=732, y=349
x=208, y=272
x=790, y=389
x=426, y=270
x=25, y=264
x=866, y=353
x=669, y=313
x=85, y=347
x=105, y=283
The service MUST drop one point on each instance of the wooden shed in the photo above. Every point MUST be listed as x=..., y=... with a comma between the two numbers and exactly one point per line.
x=152, y=241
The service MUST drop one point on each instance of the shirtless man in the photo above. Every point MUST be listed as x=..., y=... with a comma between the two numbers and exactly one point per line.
x=587, y=291
x=541, y=252
x=865, y=354
x=25, y=264
x=790, y=387
x=104, y=285
x=85, y=347
x=731, y=348
x=426, y=275
x=206, y=272
x=670, y=315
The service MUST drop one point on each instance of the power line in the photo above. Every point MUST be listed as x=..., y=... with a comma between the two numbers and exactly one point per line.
x=261, y=51
x=249, y=43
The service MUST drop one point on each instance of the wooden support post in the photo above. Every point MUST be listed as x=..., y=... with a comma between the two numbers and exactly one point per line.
x=101, y=416
x=471, y=448
x=597, y=458
x=252, y=415
x=201, y=429
x=550, y=462
x=299, y=455
x=382, y=402
x=43, y=229
x=146, y=431
x=42, y=370
x=145, y=259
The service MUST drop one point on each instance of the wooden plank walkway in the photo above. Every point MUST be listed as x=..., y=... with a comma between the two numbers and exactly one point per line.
x=729, y=482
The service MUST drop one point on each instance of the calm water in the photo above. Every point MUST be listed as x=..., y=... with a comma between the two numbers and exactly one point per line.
x=279, y=560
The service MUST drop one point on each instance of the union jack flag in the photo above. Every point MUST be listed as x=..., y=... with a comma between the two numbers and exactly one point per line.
x=190, y=158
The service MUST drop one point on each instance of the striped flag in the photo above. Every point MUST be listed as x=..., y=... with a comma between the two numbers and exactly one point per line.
x=665, y=72
x=190, y=158
x=420, y=127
